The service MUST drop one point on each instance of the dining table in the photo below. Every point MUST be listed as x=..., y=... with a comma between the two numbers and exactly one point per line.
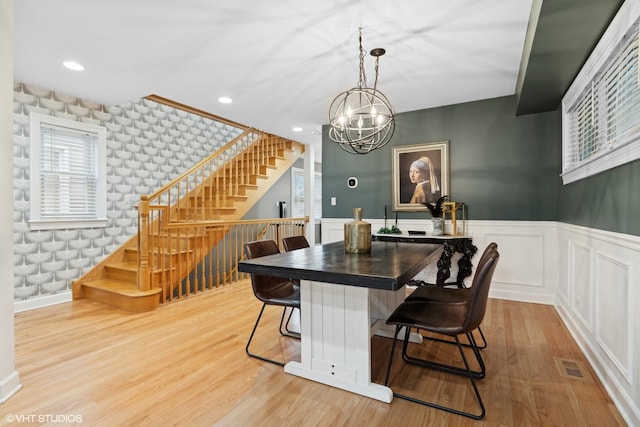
x=345, y=298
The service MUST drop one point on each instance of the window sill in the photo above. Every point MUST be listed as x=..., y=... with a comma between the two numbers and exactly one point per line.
x=64, y=224
x=617, y=157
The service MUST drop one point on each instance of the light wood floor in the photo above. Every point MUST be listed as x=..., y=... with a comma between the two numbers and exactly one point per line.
x=184, y=364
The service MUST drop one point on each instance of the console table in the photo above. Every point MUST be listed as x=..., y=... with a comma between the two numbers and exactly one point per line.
x=451, y=244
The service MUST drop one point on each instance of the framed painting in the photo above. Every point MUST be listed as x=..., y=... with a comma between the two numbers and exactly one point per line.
x=420, y=175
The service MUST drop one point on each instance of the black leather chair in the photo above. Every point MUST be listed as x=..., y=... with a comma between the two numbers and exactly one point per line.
x=271, y=291
x=294, y=242
x=450, y=319
x=451, y=295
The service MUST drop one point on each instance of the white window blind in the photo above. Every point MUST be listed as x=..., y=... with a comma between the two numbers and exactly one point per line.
x=68, y=173
x=601, y=111
x=68, y=178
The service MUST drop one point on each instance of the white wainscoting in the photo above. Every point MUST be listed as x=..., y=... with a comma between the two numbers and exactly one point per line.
x=598, y=299
x=591, y=276
x=528, y=265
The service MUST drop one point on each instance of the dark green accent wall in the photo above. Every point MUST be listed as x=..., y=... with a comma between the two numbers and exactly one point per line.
x=607, y=201
x=502, y=166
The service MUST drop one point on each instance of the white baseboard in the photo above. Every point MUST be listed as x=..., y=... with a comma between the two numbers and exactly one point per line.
x=521, y=296
x=39, y=302
x=9, y=386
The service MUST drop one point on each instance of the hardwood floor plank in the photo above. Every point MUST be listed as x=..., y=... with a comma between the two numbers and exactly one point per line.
x=184, y=364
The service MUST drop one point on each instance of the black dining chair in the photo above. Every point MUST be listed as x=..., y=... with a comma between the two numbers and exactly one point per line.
x=451, y=295
x=451, y=319
x=292, y=243
x=289, y=244
x=271, y=291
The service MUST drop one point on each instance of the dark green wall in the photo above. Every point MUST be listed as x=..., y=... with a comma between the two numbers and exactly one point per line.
x=502, y=166
x=607, y=201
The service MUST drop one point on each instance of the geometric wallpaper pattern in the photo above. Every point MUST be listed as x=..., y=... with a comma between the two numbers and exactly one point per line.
x=148, y=144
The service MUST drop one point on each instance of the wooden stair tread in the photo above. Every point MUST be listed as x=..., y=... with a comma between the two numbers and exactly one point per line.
x=133, y=265
x=124, y=265
x=121, y=288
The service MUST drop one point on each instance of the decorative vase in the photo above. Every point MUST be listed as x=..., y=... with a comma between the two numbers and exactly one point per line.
x=357, y=234
x=438, y=226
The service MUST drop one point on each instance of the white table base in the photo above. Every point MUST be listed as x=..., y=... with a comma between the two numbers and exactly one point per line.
x=336, y=327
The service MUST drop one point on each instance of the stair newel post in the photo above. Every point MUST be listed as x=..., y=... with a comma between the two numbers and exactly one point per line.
x=144, y=276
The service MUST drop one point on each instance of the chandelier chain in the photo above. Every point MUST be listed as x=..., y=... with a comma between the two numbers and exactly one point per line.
x=375, y=82
x=362, y=79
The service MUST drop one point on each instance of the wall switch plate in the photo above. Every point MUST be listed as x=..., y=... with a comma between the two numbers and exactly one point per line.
x=333, y=201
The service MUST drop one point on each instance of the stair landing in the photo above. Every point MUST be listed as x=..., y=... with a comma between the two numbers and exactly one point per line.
x=121, y=295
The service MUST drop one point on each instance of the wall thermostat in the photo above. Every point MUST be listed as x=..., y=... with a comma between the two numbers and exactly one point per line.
x=352, y=182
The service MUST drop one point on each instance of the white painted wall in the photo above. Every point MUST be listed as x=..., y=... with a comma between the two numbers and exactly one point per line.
x=9, y=378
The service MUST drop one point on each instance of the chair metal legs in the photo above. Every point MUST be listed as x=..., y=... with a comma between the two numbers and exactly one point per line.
x=479, y=347
x=466, y=372
x=447, y=368
x=281, y=332
x=289, y=333
x=484, y=340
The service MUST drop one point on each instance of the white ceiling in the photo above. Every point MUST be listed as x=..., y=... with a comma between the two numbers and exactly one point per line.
x=281, y=61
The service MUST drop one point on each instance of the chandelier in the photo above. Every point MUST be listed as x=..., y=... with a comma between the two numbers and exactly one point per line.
x=361, y=118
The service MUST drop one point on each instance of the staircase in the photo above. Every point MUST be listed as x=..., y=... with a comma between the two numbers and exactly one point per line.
x=195, y=216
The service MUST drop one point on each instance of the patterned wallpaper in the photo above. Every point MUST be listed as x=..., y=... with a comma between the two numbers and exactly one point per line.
x=148, y=144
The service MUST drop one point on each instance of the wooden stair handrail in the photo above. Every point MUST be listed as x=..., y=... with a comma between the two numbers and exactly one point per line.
x=194, y=224
x=202, y=198
x=201, y=163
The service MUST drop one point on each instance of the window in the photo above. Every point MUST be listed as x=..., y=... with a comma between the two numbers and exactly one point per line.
x=297, y=192
x=601, y=110
x=68, y=179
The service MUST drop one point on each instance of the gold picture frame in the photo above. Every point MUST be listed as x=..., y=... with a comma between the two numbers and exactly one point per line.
x=420, y=175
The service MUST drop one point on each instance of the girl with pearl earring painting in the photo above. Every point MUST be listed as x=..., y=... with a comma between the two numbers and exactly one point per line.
x=421, y=173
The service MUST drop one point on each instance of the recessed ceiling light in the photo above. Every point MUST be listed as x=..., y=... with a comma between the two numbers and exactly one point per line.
x=297, y=129
x=225, y=100
x=73, y=65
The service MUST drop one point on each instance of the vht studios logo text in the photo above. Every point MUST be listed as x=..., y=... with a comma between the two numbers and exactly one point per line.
x=43, y=418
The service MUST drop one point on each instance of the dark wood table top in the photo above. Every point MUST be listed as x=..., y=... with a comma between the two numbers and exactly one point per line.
x=389, y=266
